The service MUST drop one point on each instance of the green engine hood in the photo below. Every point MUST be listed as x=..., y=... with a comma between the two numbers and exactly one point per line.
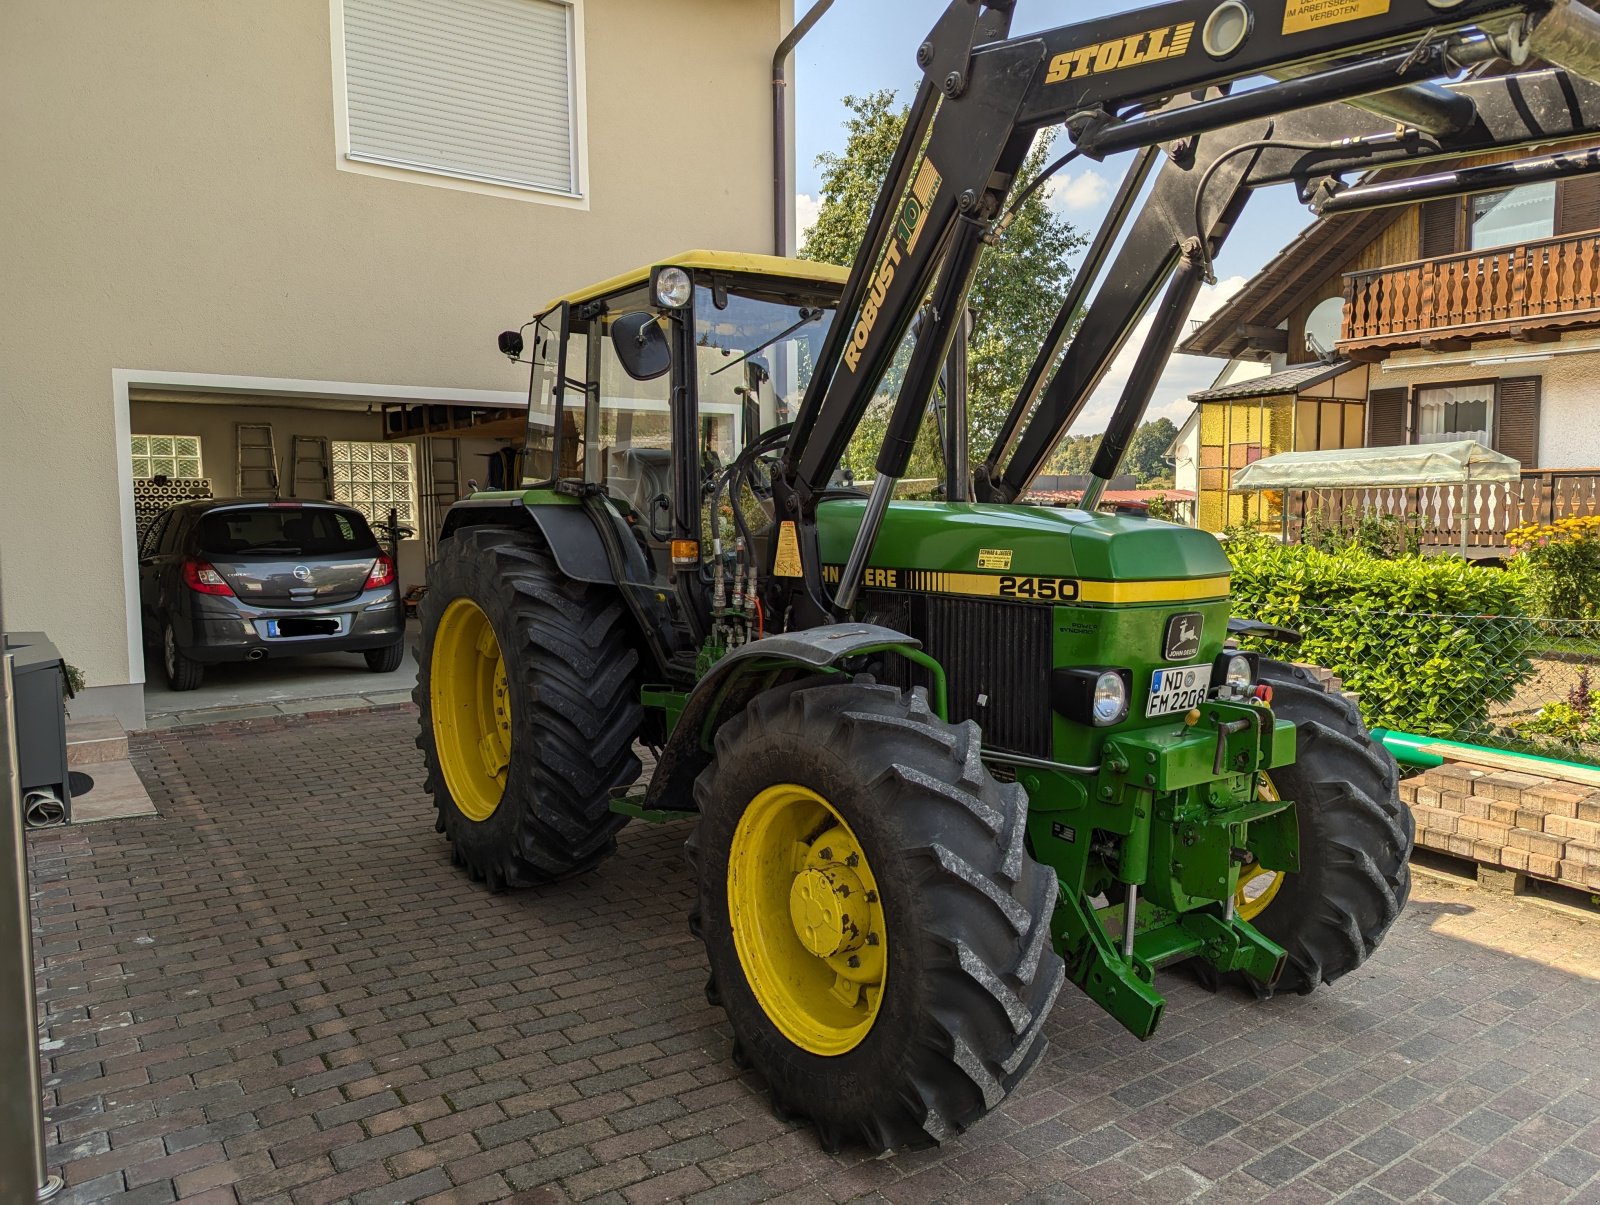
x=1025, y=541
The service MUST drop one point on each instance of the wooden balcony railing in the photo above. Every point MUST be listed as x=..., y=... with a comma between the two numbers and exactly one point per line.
x=1439, y=511
x=1500, y=290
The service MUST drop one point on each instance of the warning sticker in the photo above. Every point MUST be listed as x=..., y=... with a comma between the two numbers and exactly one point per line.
x=994, y=558
x=1301, y=16
x=787, y=561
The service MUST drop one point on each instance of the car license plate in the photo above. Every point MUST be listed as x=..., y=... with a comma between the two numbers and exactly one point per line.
x=295, y=628
x=1178, y=688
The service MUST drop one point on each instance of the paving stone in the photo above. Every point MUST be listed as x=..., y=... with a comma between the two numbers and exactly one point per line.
x=327, y=1010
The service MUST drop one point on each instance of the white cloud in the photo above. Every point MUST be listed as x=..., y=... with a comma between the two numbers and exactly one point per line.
x=806, y=208
x=1078, y=193
x=1184, y=374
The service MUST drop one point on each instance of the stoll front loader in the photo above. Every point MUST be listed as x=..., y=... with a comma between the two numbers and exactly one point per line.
x=947, y=755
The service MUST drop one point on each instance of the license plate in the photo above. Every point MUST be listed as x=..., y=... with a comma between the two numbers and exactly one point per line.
x=293, y=628
x=1178, y=688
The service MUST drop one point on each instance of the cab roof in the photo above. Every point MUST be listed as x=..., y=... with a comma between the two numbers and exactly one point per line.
x=777, y=266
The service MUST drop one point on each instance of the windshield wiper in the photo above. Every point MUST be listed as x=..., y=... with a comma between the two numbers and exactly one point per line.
x=806, y=316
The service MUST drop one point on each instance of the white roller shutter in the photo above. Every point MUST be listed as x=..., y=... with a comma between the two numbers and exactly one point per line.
x=481, y=89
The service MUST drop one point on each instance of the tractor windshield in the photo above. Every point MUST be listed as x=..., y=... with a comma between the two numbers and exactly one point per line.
x=754, y=349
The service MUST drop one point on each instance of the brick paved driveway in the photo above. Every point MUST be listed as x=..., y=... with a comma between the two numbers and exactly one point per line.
x=279, y=990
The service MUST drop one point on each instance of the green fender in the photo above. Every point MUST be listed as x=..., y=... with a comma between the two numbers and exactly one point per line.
x=758, y=666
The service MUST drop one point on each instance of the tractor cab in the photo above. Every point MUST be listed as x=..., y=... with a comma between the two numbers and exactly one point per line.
x=649, y=384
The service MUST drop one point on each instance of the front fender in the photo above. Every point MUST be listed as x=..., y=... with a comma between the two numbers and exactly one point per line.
x=745, y=672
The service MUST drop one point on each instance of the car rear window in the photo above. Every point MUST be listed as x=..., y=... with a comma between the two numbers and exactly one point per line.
x=292, y=531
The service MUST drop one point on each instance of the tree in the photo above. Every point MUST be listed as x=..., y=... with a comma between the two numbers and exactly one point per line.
x=1073, y=455
x=1019, y=286
x=1145, y=457
x=1147, y=452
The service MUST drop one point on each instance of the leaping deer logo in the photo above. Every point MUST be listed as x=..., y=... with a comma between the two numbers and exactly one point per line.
x=1183, y=637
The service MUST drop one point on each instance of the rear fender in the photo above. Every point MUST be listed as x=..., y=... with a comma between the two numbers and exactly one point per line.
x=567, y=529
x=752, y=668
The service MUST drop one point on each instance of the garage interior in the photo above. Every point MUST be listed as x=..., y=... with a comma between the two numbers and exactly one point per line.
x=404, y=462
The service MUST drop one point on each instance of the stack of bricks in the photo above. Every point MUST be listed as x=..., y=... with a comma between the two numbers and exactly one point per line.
x=1544, y=827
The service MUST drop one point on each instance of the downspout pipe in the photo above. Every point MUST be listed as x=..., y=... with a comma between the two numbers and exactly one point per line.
x=780, y=125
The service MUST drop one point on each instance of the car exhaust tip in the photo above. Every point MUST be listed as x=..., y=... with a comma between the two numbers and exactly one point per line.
x=256, y=655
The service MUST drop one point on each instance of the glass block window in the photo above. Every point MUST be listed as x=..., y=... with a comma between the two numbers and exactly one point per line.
x=372, y=477
x=166, y=456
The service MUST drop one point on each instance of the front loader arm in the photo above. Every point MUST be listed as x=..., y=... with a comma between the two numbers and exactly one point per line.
x=1110, y=82
x=1507, y=112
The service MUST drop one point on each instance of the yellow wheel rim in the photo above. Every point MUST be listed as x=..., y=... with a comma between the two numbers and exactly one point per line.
x=1258, y=886
x=807, y=920
x=471, y=709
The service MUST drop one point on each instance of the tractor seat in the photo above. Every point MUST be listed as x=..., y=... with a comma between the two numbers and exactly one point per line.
x=638, y=474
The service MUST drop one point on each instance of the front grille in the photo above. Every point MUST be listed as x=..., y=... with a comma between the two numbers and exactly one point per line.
x=996, y=657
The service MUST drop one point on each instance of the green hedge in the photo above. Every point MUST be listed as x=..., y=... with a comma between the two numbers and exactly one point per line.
x=1429, y=643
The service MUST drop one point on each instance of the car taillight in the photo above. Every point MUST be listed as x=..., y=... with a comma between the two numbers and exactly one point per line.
x=382, y=572
x=203, y=579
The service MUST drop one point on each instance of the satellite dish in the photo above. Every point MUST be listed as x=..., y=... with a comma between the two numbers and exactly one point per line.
x=1322, y=327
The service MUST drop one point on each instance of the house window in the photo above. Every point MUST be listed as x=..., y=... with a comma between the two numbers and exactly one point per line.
x=479, y=90
x=1517, y=215
x=166, y=456
x=1452, y=412
x=373, y=477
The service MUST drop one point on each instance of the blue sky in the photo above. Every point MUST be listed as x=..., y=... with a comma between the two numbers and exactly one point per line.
x=861, y=45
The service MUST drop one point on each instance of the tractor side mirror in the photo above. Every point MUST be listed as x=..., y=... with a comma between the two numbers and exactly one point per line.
x=510, y=343
x=640, y=346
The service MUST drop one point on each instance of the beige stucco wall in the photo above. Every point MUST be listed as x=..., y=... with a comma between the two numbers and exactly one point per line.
x=170, y=202
x=1569, y=400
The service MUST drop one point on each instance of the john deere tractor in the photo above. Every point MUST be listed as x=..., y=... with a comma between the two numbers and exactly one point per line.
x=945, y=755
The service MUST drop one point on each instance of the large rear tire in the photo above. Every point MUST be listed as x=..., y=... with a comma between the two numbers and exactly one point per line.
x=877, y=931
x=1355, y=838
x=528, y=691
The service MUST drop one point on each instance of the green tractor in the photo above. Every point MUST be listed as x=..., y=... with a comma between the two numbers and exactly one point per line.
x=944, y=755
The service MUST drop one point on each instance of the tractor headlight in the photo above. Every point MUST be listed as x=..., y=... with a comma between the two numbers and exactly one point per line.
x=1093, y=695
x=673, y=287
x=1110, y=698
x=1235, y=672
x=1239, y=673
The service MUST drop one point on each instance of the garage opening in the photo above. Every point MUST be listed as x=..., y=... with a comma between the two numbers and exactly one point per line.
x=274, y=532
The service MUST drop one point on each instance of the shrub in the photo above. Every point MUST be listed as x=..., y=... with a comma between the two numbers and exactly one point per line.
x=1380, y=535
x=1561, y=561
x=1428, y=643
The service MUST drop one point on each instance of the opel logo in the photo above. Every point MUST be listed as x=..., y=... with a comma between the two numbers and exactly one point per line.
x=303, y=572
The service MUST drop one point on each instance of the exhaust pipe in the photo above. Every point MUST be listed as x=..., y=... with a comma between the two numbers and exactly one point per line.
x=256, y=655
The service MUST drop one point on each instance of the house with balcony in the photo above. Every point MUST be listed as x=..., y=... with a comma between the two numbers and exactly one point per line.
x=1463, y=318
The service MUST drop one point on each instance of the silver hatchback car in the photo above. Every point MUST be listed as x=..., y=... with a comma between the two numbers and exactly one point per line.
x=241, y=580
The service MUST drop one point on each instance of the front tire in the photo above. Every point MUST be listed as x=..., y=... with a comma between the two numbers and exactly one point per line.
x=1355, y=837
x=877, y=931
x=528, y=694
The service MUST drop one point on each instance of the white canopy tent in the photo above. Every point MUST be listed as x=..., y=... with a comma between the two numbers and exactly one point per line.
x=1464, y=462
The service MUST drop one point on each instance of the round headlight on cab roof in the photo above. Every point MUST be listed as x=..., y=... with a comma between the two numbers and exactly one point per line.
x=673, y=287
